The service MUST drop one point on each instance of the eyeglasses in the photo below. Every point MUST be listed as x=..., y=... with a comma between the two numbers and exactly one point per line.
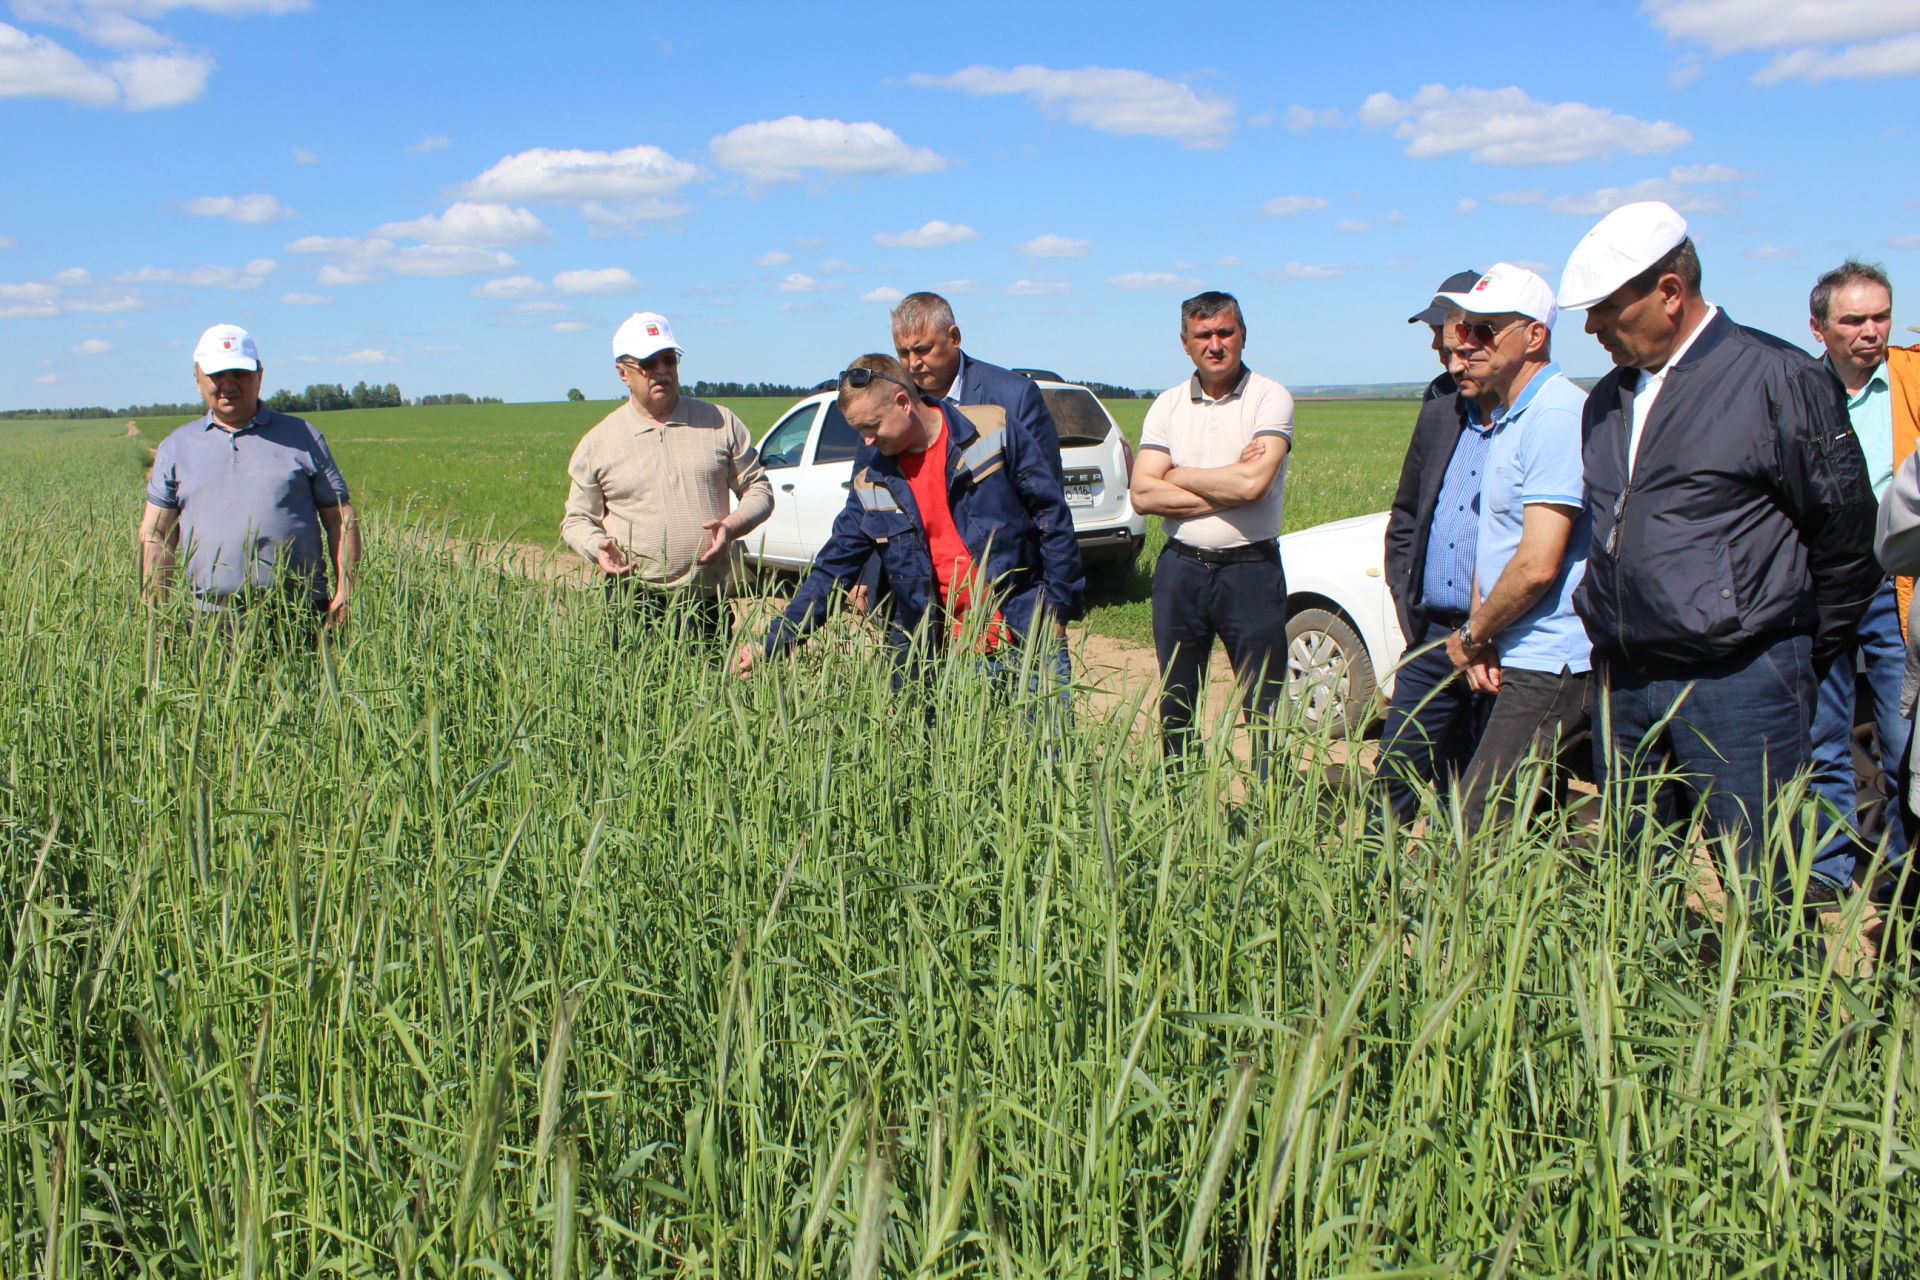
x=1482, y=334
x=668, y=359
x=858, y=378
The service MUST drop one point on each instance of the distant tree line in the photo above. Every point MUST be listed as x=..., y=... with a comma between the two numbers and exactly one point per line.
x=1107, y=391
x=321, y=397
x=708, y=390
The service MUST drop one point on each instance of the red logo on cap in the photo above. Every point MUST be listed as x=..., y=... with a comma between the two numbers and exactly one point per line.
x=226, y=344
x=653, y=331
x=1484, y=282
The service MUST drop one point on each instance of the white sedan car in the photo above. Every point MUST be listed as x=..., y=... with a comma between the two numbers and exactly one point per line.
x=1343, y=633
x=809, y=452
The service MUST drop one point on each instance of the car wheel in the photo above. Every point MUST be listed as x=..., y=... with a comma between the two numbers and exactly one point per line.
x=1329, y=675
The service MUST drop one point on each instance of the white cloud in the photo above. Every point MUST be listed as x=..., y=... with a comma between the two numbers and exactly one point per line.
x=1228, y=261
x=1467, y=205
x=1136, y=281
x=306, y=300
x=1352, y=226
x=149, y=80
x=6, y=242
x=72, y=275
x=369, y=355
x=798, y=283
x=934, y=235
x=774, y=258
x=92, y=347
x=1725, y=26
x=1287, y=206
x=839, y=266
x=1305, y=271
x=105, y=300
x=788, y=149
x=45, y=379
x=569, y=326
x=809, y=242
x=1605, y=200
x=1892, y=242
x=36, y=67
x=470, y=224
x=254, y=208
x=1879, y=61
x=1052, y=246
x=363, y=260
x=599, y=282
x=1301, y=119
x=539, y=307
x=1706, y=173
x=250, y=276
x=575, y=177
x=1525, y=195
x=1039, y=287
x=885, y=293
x=1505, y=126
x=1110, y=99
x=303, y=156
x=509, y=287
x=1772, y=253
x=432, y=142
x=954, y=288
x=627, y=219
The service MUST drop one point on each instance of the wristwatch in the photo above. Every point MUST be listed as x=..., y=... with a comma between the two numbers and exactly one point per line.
x=1465, y=633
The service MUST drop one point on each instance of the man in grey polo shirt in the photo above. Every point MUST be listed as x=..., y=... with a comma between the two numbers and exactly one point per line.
x=249, y=493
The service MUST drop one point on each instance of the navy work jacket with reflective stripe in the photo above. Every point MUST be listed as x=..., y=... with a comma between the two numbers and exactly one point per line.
x=1011, y=513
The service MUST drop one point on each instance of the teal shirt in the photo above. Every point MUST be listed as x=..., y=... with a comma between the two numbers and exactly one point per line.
x=1871, y=413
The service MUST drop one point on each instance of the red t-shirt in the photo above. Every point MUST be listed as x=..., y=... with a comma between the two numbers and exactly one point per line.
x=926, y=474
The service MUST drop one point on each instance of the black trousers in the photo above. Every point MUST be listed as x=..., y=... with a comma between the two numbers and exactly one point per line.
x=636, y=609
x=1242, y=605
x=1536, y=713
x=1433, y=722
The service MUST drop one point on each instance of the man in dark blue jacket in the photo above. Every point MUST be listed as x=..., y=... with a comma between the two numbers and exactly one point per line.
x=965, y=515
x=1732, y=535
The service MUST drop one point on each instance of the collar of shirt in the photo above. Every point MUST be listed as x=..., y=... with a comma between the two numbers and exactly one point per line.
x=259, y=419
x=1679, y=352
x=1876, y=384
x=959, y=376
x=1507, y=413
x=643, y=421
x=1200, y=396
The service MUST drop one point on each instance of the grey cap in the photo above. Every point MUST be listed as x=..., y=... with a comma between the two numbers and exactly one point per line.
x=1458, y=282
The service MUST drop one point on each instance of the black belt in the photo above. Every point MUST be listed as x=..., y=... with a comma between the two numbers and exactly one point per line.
x=1246, y=554
x=1451, y=619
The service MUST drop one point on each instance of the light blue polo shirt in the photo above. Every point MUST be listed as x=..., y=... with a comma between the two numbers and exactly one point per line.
x=1535, y=457
x=1871, y=415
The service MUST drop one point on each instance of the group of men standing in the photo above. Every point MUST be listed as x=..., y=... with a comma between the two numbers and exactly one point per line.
x=1682, y=559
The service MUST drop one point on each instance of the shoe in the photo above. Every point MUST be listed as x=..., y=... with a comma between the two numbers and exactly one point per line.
x=1821, y=897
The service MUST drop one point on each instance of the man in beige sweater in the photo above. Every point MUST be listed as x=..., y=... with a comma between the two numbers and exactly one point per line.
x=648, y=503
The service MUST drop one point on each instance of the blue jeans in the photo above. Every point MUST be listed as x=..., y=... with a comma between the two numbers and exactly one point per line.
x=1885, y=652
x=1739, y=731
x=1433, y=723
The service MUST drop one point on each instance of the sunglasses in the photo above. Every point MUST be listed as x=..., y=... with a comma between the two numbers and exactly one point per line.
x=858, y=378
x=1482, y=334
x=668, y=359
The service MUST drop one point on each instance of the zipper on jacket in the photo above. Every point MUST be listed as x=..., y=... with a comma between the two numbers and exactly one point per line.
x=1613, y=550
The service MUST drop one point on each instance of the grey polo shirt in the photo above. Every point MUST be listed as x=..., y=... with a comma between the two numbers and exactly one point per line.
x=249, y=501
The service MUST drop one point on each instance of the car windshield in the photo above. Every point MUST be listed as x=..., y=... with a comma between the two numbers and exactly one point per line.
x=1076, y=415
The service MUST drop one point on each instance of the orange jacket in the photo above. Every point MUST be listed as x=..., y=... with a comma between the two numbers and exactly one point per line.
x=1903, y=385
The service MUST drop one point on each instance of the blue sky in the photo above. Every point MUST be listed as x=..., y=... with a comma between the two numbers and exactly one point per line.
x=471, y=198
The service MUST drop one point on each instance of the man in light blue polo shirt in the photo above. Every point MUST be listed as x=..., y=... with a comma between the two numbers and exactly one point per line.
x=1522, y=641
x=250, y=494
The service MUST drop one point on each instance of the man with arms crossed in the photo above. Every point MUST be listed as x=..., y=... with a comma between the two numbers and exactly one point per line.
x=1213, y=458
x=1851, y=313
x=1522, y=642
x=964, y=513
x=251, y=492
x=648, y=503
x=1434, y=718
x=1732, y=534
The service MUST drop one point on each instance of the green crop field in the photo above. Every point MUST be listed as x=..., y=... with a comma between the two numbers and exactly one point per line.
x=459, y=948
x=500, y=471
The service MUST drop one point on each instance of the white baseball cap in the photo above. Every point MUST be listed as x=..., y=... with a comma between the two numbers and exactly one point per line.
x=645, y=333
x=224, y=347
x=1507, y=288
x=1620, y=246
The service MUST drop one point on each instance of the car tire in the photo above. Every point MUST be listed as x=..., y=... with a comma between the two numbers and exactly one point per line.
x=1329, y=675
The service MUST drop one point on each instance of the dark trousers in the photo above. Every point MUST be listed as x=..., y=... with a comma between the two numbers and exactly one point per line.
x=1740, y=729
x=1243, y=605
x=1433, y=722
x=1535, y=713
x=635, y=610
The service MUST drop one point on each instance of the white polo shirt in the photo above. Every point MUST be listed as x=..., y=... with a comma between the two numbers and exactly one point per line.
x=1197, y=431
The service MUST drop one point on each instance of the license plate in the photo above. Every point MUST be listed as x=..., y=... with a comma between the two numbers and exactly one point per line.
x=1079, y=495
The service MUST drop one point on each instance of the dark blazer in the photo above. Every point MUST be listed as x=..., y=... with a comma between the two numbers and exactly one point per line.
x=983, y=383
x=1435, y=433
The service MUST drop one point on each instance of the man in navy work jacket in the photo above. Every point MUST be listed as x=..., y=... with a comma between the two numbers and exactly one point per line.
x=1732, y=549
x=966, y=515
x=254, y=497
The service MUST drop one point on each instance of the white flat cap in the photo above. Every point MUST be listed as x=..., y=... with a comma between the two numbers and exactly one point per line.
x=1620, y=246
x=1505, y=288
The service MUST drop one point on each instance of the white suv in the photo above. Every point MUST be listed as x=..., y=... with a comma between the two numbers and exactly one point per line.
x=809, y=452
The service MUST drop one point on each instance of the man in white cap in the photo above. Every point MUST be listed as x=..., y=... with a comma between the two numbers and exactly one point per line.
x=253, y=495
x=648, y=502
x=1522, y=642
x=1732, y=535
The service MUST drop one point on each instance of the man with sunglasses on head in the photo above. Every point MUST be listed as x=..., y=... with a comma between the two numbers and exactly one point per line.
x=1521, y=642
x=1732, y=551
x=649, y=496
x=967, y=516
